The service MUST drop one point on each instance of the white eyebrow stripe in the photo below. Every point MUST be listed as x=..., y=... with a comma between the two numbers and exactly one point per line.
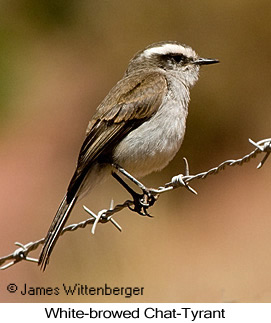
x=169, y=48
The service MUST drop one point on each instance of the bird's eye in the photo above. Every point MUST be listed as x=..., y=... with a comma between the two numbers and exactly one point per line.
x=178, y=58
x=175, y=58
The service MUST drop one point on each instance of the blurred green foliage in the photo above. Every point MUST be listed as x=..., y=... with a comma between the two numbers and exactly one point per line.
x=46, y=15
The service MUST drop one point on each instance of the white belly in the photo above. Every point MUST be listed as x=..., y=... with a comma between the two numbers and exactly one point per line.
x=152, y=145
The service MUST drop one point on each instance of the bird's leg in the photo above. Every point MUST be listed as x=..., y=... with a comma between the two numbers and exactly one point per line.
x=141, y=201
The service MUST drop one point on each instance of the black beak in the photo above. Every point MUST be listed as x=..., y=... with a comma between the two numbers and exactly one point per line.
x=205, y=61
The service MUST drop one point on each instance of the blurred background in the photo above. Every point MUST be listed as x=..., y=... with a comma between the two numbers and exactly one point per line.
x=58, y=59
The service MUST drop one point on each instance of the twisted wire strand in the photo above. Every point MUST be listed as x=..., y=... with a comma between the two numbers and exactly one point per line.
x=222, y=166
x=104, y=216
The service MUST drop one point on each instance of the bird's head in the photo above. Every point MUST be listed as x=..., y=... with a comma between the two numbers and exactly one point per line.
x=171, y=57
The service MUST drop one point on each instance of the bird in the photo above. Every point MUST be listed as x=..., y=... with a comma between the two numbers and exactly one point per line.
x=139, y=126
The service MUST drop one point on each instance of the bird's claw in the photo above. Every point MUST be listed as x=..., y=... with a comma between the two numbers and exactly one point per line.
x=143, y=201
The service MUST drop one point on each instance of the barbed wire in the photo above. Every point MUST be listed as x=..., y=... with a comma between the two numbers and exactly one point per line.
x=106, y=215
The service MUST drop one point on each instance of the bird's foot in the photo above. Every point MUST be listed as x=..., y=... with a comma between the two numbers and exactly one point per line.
x=141, y=201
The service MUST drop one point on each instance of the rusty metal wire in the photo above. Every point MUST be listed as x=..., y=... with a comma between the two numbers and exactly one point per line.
x=106, y=215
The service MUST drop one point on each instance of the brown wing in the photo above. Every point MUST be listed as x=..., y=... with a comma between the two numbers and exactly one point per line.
x=133, y=100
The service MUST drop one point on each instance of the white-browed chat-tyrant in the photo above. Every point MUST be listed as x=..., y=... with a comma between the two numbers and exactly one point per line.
x=139, y=125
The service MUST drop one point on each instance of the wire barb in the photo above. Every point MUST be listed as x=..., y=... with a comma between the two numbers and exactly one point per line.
x=182, y=180
x=104, y=216
x=265, y=148
x=18, y=255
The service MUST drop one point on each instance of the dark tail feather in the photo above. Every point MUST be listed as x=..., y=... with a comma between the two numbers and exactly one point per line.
x=54, y=232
